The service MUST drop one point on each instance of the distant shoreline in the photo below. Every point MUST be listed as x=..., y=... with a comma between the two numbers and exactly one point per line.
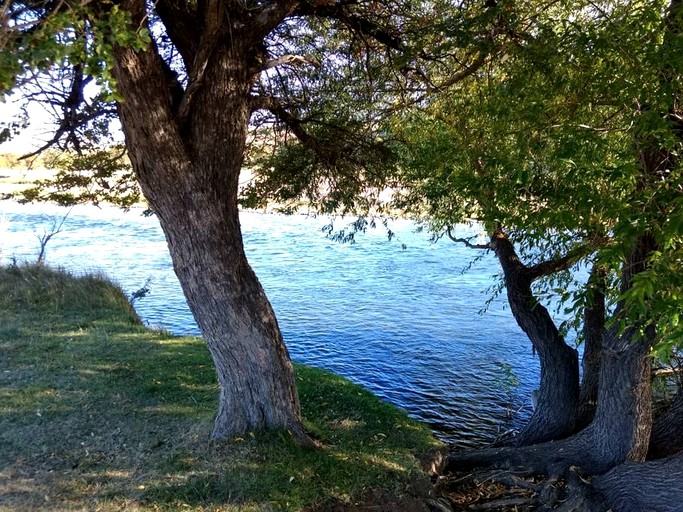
x=14, y=180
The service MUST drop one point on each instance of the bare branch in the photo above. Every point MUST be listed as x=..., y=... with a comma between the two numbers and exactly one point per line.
x=70, y=109
x=466, y=241
x=63, y=128
x=291, y=60
x=43, y=239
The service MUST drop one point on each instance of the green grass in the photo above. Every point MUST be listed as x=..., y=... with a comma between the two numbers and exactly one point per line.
x=97, y=412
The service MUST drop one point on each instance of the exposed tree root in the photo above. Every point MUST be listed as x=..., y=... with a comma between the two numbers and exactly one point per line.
x=637, y=486
x=501, y=490
x=552, y=459
x=629, y=487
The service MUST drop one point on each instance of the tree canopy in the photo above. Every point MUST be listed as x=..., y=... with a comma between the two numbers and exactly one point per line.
x=546, y=143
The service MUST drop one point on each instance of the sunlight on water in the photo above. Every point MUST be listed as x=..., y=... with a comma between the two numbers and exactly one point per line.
x=403, y=323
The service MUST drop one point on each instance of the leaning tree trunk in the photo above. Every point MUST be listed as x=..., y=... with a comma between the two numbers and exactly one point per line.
x=620, y=430
x=553, y=417
x=188, y=166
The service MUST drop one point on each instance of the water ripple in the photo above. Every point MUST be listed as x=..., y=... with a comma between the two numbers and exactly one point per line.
x=403, y=323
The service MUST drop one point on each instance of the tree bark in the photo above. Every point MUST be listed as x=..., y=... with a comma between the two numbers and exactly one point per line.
x=553, y=418
x=636, y=487
x=188, y=168
x=667, y=430
x=593, y=333
x=621, y=428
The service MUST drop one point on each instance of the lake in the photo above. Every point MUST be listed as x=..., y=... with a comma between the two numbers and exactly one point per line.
x=403, y=322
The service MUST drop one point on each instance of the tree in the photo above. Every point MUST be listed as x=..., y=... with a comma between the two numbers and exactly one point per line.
x=185, y=80
x=566, y=149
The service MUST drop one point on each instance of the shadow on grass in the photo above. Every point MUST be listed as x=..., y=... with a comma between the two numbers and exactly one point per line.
x=98, y=412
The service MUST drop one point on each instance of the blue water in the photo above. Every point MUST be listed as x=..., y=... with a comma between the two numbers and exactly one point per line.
x=404, y=323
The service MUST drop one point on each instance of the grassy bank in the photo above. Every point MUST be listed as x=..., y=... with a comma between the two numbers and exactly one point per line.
x=97, y=412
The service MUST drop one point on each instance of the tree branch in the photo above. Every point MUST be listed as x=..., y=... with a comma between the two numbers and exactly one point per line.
x=294, y=124
x=71, y=111
x=546, y=268
x=476, y=65
x=354, y=22
x=291, y=60
x=181, y=25
x=269, y=16
x=207, y=45
x=466, y=241
x=260, y=102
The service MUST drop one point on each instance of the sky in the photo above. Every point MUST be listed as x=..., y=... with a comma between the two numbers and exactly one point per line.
x=32, y=137
x=41, y=127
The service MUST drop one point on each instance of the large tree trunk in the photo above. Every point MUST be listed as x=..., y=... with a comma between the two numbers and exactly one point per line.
x=553, y=417
x=621, y=428
x=188, y=170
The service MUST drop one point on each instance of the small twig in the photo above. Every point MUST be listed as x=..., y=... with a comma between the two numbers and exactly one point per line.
x=43, y=240
x=468, y=477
